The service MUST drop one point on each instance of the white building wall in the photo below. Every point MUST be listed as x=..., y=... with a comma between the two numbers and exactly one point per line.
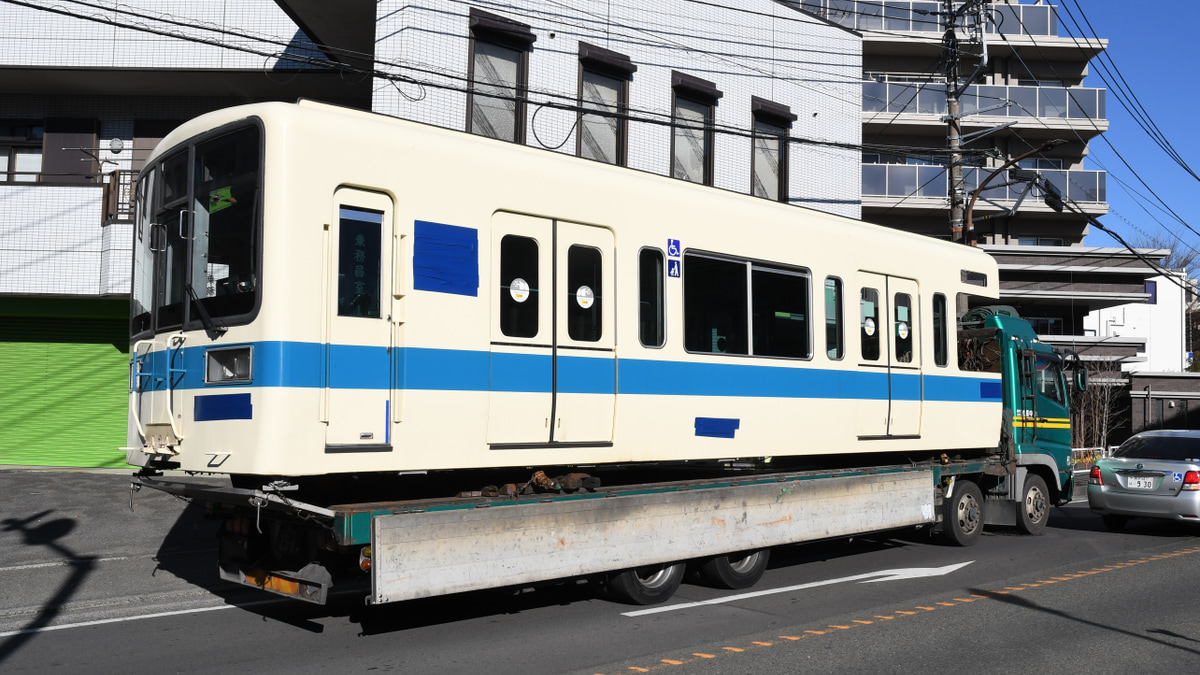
x=1161, y=324
x=759, y=48
x=50, y=240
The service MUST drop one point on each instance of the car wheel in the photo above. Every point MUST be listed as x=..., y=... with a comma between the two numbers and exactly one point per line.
x=1033, y=511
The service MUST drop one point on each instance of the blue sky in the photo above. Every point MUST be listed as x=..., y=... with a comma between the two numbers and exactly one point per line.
x=1153, y=45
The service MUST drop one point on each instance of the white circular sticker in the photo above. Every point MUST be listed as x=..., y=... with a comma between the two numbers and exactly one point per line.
x=902, y=330
x=869, y=326
x=584, y=297
x=519, y=289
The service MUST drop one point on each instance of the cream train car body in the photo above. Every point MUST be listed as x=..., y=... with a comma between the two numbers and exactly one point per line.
x=382, y=296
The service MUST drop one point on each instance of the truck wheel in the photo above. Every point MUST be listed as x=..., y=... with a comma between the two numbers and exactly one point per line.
x=646, y=585
x=1115, y=523
x=1033, y=511
x=962, y=517
x=736, y=570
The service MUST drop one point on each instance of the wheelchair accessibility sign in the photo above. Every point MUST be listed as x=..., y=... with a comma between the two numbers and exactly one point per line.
x=673, y=249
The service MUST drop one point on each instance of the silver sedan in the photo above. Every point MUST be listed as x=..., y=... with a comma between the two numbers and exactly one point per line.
x=1154, y=474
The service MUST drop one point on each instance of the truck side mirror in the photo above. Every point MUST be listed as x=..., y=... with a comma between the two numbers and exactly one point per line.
x=1081, y=378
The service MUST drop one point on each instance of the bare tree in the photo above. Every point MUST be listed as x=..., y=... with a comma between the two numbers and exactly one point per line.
x=1102, y=409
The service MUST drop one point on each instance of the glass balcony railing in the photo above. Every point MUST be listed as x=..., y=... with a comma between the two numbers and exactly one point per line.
x=918, y=16
x=915, y=180
x=1001, y=101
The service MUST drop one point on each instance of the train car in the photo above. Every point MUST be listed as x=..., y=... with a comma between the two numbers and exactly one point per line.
x=319, y=290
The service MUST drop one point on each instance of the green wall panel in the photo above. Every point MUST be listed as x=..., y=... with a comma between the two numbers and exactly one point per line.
x=64, y=385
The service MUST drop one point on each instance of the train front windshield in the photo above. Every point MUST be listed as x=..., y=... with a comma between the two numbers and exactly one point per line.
x=198, y=234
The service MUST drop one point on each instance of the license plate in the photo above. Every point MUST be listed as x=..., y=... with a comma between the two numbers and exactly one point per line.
x=1139, y=482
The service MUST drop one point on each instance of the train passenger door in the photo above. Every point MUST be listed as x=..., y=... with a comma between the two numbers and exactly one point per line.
x=358, y=311
x=553, y=368
x=889, y=357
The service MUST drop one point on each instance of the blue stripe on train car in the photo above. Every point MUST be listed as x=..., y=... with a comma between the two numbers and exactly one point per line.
x=302, y=365
x=717, y=427
x=215, y=407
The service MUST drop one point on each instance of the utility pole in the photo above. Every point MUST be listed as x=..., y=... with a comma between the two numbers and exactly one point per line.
x=955, y=86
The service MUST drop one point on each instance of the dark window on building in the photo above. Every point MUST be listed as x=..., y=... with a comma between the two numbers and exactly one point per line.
x=603, y=87
x=769, y=161
x=869, y=323
x=835, y=344
x=359, y=261
x=714, y=299
x=1152, y=291
x=692, y=118
x=941, y=352
x=21, y=151
x=498, y=76
x=69, y=151
x=585, y=294
x=518, y=286
x=651, y=304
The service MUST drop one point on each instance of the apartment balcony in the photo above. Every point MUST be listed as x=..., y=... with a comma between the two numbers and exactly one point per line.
x=914, y=186
x=919, y=17
x=1073, y=110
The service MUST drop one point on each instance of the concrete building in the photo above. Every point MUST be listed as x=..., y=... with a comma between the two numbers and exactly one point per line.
x=686, y=89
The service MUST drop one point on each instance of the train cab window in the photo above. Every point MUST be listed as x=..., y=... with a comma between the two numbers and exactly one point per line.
x=518, y=286
x=651, y=306
x=869, y=313
x=941, y=355
x=903, y=327
x=835, y=345
x=780, y=313
x=584, y=294
x=359, y=255
x=714, y=311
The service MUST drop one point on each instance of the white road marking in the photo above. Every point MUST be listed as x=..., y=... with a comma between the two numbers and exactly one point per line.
x=869, y=577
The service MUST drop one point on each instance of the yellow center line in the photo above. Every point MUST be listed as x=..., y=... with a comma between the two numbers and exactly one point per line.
x=763, y=644
x=790, y=637
x=705, y=656
x=733, y=649
x=672, y=662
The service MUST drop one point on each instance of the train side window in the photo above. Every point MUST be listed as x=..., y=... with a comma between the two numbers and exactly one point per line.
x=869, y=312
x=714, y=305
x=780, y=313
x=904, y=328
x=835, y=345
x=941, y=355
x=651, y=306
x=518, y=286
x=584, y=294
x=359, y=255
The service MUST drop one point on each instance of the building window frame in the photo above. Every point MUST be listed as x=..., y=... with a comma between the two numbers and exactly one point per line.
x=597, y=64
x=499, y=34
x=771, y=124
x=702, y=96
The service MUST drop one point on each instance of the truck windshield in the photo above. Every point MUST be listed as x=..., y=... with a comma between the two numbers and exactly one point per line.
x=197, y=234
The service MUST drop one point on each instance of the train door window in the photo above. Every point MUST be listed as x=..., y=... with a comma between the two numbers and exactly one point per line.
x=694, y=105
x=519, y=286
x=651, y=305
x=835, y=345
x=904, y=328
x=498, y=76
x=173, y=245
x=941, y=355
x=359, y=260
x=780, y=313
x=584, y=294
x=869, y=314
x=714, y=305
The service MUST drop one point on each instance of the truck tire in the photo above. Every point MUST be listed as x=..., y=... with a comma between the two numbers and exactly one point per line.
x=962, y=515
x=1033, y=511
x=646, y=585
x=736, y=570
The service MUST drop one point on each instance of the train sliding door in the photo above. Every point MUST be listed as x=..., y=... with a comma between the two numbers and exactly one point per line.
x=889, y=358
x=358, y=361
x=553, y=368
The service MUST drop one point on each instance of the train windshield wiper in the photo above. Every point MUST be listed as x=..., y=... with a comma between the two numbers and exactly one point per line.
x=210, y=327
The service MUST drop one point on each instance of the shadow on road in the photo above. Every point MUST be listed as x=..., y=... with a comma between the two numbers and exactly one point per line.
x=47, y=535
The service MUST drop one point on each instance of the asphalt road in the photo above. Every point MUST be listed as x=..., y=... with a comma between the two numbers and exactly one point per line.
x=87, y=585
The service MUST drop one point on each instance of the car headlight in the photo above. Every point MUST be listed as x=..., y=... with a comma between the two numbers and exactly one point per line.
x=229, y=365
